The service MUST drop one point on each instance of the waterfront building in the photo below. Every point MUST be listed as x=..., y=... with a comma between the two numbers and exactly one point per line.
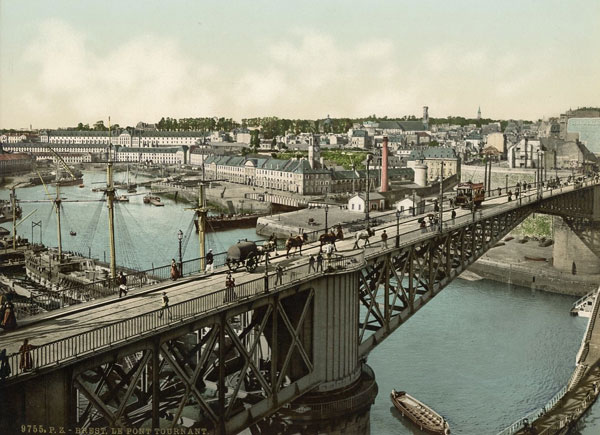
x=295, y=175
x=147, y=138
x=13, y=163
x=12, y=137
x=358, y=202
x=166, y=156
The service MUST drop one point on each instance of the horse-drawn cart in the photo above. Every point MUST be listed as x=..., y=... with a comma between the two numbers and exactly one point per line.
x=247, y=254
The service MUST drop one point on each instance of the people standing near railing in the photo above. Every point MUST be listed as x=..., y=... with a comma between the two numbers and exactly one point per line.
x=174, y=270
x=9, y=320
x=230, y=285
x=279, y=273
x=329, y=252
x=384, y=238
x=311, y=263
x=122, y=284
x=165, y=306
x=209, y=259
x=320, y=262
x=26, y=361
x=453, y=216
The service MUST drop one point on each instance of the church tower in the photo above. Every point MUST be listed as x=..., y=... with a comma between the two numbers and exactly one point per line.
x=479, y=114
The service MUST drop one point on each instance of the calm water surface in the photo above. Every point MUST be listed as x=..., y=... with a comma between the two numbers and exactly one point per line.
x=481, y=353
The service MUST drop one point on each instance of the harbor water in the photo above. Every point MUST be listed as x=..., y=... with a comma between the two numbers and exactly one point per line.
x=481, y=353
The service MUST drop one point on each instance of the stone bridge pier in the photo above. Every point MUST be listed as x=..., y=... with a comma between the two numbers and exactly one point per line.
x=341, y=402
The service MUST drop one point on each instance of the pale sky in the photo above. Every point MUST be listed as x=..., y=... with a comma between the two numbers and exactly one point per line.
x=64, y=62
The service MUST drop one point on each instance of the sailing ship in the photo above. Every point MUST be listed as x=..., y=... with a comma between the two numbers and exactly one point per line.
x=420, y=414
x=224, y=222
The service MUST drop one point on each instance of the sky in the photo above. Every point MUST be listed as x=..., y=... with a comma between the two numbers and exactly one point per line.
x=65, y=62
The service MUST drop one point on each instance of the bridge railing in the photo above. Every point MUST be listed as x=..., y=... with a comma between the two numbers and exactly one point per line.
x=76, y=294
x=67, y=349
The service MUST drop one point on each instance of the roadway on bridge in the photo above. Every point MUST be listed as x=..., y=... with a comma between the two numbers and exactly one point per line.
x=99, y=314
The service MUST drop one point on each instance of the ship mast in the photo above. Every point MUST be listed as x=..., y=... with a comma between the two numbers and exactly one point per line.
x=201, y=210
x=13, y=200
x=110, y=195
x=57, y=202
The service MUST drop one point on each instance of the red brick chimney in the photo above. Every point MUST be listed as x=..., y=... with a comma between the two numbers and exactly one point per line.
x=384, y=165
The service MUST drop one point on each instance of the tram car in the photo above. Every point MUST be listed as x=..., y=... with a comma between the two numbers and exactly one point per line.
x=247, y=254
x=469, y=193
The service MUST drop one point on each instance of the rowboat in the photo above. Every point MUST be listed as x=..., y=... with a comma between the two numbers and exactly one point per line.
x=420, y=414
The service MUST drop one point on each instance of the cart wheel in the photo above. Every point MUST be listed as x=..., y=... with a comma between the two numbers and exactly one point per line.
x=251, y=263
x=236, y=265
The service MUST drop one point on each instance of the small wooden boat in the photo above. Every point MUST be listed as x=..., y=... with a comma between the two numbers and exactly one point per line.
x=154, y=200
x=81, y=186
x=122, y=198
x=73, y=233
x=420, y=414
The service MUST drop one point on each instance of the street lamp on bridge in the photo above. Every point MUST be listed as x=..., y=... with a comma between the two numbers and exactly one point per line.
x=398, y=228
x=326, y=212
x=368, y=205
x=180, y=238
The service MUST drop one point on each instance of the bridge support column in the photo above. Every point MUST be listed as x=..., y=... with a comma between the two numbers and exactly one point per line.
x=341, y=403
x=570, y=253
x=43, y=400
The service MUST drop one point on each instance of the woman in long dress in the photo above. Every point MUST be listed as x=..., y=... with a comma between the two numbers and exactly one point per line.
x=9, y=320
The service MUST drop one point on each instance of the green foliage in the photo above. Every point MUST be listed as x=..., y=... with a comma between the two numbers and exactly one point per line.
x=537, y=225
x=347, y=159
x=340, y=157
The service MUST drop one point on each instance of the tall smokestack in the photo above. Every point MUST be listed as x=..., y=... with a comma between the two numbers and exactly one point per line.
x=384, y=165
x=426, y=117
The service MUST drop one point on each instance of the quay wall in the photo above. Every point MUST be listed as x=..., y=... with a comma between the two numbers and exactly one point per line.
x=526, y=275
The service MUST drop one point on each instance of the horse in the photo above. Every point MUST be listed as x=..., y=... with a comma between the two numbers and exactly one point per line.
x=363, y=235
x=295, y=242
x=270, y=246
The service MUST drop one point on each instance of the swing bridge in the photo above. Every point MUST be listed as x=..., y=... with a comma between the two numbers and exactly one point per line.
x=271, y=355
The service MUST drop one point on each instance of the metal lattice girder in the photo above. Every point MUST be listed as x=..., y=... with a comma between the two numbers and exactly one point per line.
x=577, y=204
x=220, y=354
x=396, y=284
x=588, y=231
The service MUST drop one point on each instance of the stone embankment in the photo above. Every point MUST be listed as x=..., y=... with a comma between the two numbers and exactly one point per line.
x=530, y=265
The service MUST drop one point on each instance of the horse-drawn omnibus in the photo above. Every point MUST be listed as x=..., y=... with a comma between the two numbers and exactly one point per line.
x=469, y=193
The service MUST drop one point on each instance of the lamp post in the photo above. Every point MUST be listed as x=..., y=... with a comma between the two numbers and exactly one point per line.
x=398, y=228
x=326, y=212
x=506, y=185
x=180, y=238
x=368, y=205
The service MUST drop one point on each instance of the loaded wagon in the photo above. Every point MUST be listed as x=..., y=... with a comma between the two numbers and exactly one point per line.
x=246, y=254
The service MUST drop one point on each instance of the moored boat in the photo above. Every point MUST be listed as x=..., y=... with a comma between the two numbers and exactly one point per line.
x=154, y=200
x=420, y=414
x=122, y=198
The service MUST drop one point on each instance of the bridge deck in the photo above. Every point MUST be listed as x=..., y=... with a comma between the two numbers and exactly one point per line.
x=73, y=328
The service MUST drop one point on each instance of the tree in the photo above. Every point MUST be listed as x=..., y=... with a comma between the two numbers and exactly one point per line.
x=99, y=125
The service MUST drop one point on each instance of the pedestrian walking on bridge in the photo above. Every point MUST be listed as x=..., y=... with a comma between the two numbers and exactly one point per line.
x=384, y=239
x=453, y=215
x=165, y=306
